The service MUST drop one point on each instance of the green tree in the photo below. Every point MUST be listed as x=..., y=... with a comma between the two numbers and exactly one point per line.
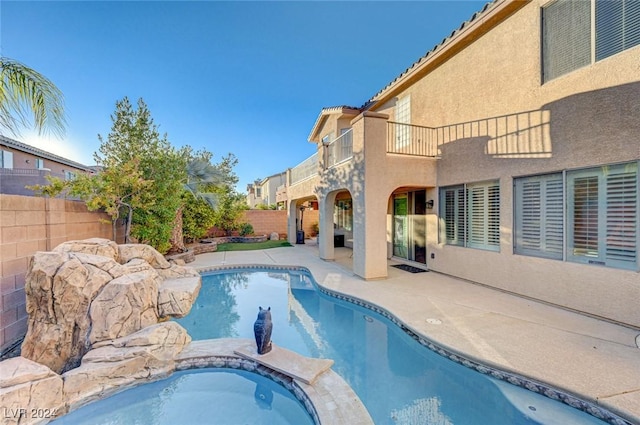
x=205, y=182
x=197, y=217
x=230, y=207
x=23, y=93
x=135, y=137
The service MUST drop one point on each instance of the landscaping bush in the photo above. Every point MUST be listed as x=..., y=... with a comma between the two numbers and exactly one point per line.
x=246, y=229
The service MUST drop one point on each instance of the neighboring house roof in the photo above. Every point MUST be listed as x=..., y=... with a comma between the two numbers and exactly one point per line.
x=23, y=147
x=325, y=112
x=263, y=181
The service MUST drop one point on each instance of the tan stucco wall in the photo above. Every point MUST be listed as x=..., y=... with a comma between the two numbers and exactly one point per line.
x=510, y=125
x=29, y=224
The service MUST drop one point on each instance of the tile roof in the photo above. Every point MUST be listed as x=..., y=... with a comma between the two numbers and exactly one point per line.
x=23, y=147
x=475, y=17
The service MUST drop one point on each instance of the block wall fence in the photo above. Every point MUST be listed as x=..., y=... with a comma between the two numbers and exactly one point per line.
x=265, y=222
x=29, y=224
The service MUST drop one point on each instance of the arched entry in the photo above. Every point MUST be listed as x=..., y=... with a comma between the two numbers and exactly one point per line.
x=303, y=219
x=336, y=223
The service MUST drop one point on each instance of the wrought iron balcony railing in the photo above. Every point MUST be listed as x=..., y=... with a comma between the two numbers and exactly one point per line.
x=410, y=139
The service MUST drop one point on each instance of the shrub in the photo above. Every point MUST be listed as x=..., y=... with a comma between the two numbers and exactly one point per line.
x=246, y=229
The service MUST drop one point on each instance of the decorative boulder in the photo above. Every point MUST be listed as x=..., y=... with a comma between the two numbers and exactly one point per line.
x=95, y=246
x=147, y=253
x=125, y=305
x=142, y=356
x=59, y=290
x=89, y=291
x=29, y=392
x=274, y=236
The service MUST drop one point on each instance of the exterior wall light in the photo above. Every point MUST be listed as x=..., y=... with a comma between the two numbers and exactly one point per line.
x=430, y=204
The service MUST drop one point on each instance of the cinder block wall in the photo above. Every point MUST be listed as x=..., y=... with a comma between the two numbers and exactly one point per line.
x=29, y=224
x=265, y=222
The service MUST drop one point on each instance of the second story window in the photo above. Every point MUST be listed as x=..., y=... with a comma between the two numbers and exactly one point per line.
x=577, y=33
x=6, y=159
x=68, y=175
x=39, y=163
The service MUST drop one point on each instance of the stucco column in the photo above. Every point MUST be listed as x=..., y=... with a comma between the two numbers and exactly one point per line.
x=370, y=201
x=325, y=224
x=292, y=214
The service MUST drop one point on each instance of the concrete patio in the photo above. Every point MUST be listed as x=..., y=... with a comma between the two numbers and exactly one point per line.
x=594, y=360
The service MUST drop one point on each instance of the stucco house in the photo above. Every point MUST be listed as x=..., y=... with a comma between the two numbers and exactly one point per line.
x=508, y=155
x=25, y=165
x=263, y=192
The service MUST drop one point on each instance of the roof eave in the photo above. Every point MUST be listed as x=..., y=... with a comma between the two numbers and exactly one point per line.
x=459, y=40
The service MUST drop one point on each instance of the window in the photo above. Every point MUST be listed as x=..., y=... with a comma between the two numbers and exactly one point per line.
x=68, y=175
x=6, y=159
x=403, y=116
x=599, y=206
x=568, y=38
x=617, y=26
x=602, y=216
x=39, y=163
x=471, y=215
x=538, y=218
x=453, y=201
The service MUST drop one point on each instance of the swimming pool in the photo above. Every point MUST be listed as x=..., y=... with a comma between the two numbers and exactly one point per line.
x=205, y=396
x=397, y=379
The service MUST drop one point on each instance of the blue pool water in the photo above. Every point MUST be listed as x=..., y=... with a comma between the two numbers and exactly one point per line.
x=203, y=396
x=398, y=380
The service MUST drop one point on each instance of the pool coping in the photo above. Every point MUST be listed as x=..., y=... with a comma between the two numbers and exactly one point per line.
x=328, y=399
x=482, y=366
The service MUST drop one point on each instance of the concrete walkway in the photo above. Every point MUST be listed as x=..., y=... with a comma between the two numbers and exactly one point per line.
x=592, y=359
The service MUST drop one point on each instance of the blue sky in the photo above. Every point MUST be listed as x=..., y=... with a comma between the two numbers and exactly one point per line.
x=244, y=77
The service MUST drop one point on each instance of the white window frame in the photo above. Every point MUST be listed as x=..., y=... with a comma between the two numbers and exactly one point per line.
x=403, y=116
x=39, y=163
x=609, y=228
x=6, y=159
x=539, y=215
x=472, y=220
x=600, y=216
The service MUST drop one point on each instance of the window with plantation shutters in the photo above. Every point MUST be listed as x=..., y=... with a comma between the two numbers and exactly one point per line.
x=538, y=217
x=471, y=215
x=452, y=202
x=602, y=216
x=483, y=216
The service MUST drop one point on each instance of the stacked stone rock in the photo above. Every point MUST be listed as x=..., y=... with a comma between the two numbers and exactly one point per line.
x=97, y=321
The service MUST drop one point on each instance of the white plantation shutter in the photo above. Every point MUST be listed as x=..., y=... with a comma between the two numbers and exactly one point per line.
x=539, y=216
x=483, y=216
x=603, y=216
x=452, y=204
x=622, y=216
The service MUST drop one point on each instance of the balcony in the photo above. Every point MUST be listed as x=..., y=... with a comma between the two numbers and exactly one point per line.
x=305, y=170
x=409, y=139
x=340, y=149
